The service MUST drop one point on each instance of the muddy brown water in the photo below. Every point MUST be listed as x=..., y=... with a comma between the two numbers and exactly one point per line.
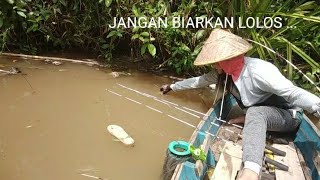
x=53, y=122
x=54, y=119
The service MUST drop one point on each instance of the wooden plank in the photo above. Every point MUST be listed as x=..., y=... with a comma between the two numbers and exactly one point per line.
x=229, y=162
x=266, y=176
x=292, y=160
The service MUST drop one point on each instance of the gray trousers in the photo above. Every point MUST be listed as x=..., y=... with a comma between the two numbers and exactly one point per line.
x=258, y=120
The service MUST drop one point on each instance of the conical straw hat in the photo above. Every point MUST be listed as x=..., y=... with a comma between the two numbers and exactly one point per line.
x=221, y=45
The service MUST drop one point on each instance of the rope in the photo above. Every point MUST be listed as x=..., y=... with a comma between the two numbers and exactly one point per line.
x=217, y=92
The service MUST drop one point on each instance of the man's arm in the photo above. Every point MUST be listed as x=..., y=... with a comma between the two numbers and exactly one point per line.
x=191, y=83
x=276, y=83
x=196, y=82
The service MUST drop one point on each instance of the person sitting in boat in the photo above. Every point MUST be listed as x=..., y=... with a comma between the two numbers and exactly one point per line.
x=265, y=93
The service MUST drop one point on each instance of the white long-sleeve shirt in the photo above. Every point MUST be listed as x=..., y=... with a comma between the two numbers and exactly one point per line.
x=196, y=82
x=258, y=81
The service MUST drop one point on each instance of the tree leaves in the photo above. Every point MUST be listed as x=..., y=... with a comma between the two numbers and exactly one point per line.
x=108, y=2
x=135, y=36
x=300, y=52
x=136, y=11
x=145, y=34
x=143, y=49
x=200, y=34
x=63, y=2
x=22, y=14
x=10, y=1
x=114, y=33
x=85, y=24
x=1, y=22
x=152, y=49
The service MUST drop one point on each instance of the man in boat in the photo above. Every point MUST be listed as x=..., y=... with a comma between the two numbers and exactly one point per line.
x=269, y=99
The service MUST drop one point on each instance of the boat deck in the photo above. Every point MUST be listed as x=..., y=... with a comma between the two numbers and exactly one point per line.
x=228, y=153
x=222, y=143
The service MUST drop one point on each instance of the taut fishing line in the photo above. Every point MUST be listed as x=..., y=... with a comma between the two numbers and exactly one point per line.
x=168, y=103
x=179, y=120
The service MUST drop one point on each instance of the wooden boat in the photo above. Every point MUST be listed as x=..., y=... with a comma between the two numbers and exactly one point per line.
x=223, y=152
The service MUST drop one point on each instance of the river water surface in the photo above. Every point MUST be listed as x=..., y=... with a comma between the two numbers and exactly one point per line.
x=54, y=119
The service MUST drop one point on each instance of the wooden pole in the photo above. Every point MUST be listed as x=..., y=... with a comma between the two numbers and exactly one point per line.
x=52, y=58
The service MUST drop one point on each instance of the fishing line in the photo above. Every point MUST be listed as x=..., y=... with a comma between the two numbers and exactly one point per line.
x=222, y=101
x=221, y=108
x=154, y=109
x=167, y=103
x=170, y=102
x=162, y=102
x=199, y=130
x=295, y=67
x=157, y=99
x=137, y=102
x=28, y=83
x=177, y=119
x=188, y=112
x=15, y=70
x=94, y=177
x=195, y=111
x=133, y=100
x=217, y=91
x=114, y=93
x=177, y=106
x=224, y=91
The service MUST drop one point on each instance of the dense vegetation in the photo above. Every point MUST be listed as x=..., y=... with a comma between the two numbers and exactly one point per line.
x=32, y=26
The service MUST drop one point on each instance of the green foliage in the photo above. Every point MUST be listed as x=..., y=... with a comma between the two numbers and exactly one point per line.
x=33, y=26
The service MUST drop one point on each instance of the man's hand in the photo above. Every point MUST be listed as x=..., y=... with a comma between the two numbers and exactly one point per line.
x=238, y=120
x=165, y=88
x=316, y=110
